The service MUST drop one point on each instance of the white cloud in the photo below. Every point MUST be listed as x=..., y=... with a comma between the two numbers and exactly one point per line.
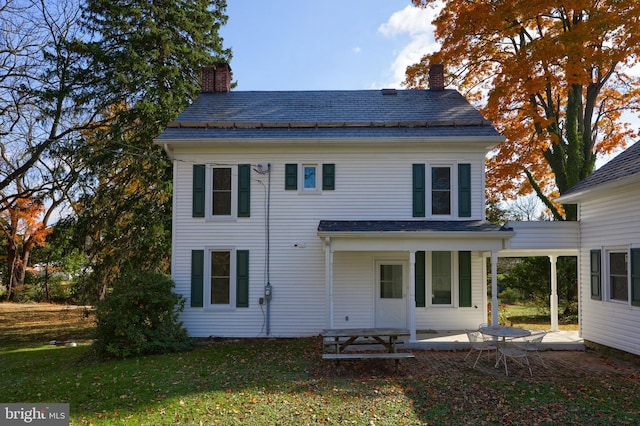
x=357, y=50
x=413, y=20
x=415, y=23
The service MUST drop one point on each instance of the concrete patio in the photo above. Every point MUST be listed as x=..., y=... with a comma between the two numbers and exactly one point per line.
x=457, y=340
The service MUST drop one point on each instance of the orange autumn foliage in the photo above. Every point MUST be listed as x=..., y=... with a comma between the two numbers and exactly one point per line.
x=23, y=230
x=552, y=76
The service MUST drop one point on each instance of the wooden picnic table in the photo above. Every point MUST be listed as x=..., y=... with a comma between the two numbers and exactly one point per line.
x=339, y=339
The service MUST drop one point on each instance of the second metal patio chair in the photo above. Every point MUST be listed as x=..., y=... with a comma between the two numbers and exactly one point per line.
x=480, y=344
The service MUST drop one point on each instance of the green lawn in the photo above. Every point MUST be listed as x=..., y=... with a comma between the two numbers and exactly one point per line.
x=267, y=382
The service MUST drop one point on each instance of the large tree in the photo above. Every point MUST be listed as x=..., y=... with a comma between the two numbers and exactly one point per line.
x=44, y=110
x=552, y=76
x=43, y=87
x=149, y=55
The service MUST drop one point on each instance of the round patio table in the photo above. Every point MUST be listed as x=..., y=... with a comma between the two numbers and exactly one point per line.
x=504, y=331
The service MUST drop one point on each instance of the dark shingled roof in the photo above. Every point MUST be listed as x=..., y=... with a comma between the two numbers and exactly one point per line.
x=356, y=226
x=624, y=165
x=329, y=114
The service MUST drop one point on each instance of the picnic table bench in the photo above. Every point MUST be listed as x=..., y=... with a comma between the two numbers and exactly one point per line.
x=340, y=339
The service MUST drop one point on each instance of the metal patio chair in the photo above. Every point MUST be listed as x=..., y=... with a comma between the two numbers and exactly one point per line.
x=480, y=344
x=532, y=344
x=516, y=350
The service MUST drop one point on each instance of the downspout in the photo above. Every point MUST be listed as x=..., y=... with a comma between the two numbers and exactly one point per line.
x=168, y=150
x=268, y=289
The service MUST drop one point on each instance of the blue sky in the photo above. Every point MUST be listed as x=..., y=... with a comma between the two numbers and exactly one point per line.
x=328, y=44
x=324, y=44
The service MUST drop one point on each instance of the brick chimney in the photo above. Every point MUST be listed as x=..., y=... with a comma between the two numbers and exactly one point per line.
x=436, y=77
x=216, y=78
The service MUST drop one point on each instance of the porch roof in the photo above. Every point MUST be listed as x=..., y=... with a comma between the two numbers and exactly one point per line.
x=413, y=235
x=420, y=228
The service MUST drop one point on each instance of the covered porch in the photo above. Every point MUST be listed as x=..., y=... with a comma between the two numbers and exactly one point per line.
x=403, y=240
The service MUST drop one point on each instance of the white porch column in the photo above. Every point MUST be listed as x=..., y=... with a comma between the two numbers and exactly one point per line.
x=412, y=296
x=328, y=273
x=553, y=300
x=494, y=288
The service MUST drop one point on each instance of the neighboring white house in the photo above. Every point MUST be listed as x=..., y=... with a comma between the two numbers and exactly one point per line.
x=609, y=269
x=296, y=211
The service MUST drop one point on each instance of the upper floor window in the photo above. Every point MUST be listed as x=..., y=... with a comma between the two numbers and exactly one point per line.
x=221, y=197
x=221, y=192
x=441, y=190
x=309, y=177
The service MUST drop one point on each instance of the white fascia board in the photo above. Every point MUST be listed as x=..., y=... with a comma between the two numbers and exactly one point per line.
x=473, y=235
x=594, y=191
x=414, y=244
x=448, y=142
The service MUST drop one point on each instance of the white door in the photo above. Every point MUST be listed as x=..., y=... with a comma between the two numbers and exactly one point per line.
x=391, y=302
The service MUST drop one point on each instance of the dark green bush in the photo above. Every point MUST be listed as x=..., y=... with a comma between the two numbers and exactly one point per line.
x=509, y=296
x=140, y=316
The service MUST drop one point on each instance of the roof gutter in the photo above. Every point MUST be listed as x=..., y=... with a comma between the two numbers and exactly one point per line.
x=505, y=234
x=579, y=195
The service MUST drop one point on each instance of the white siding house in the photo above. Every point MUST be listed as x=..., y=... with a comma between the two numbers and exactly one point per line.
x=609, y=266
x=300, y=211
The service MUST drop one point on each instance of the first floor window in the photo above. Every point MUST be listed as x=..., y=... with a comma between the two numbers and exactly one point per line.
x=220, y=278
x=441, y=278
x=618, y=276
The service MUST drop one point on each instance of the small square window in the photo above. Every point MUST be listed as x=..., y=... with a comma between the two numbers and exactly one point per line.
x=309, y=177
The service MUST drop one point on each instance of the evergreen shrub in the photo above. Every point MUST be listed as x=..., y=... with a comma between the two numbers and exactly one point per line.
x=139, y=316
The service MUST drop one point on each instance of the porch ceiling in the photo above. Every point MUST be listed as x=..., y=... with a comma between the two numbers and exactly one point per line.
x=542, y=238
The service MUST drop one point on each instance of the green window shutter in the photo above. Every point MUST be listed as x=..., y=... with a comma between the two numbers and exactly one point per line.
x=464, y=279
x=291, y=176
x=596, y=276
x=464, y=190
x=244, y=190
x=242, y=278
x=420, y=280
x=419, y=193
x=197, y=278
x=328, y=177
x=199, y=178
x=635, y=277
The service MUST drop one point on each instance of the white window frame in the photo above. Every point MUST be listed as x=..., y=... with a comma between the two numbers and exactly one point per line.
x=232, y=278
x=429, y=280
x=606, y=277
x=209, y=193
x=453, y=170
x=318, y=188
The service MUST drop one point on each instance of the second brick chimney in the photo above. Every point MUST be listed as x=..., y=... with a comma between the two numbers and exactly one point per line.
x=436, y=77
x=216, y=78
